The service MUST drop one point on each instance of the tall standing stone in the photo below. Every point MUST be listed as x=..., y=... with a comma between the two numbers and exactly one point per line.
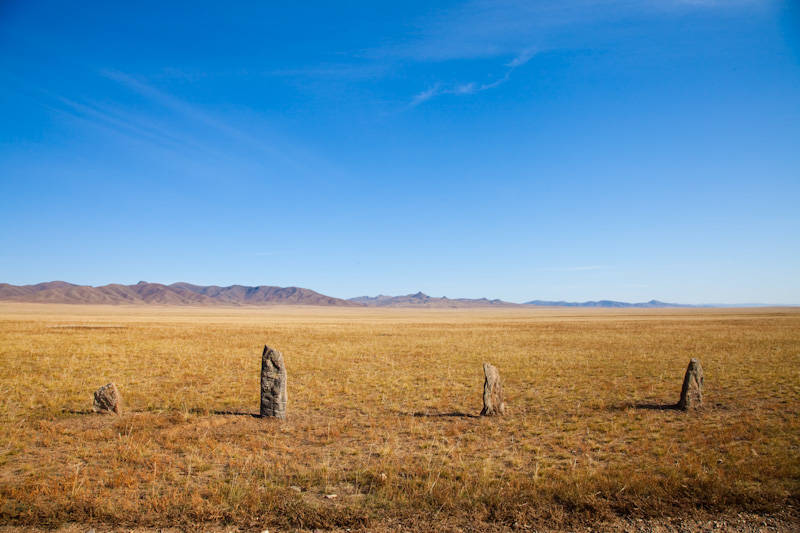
x=107, y=399
x=692, y=390
x=493, y=404
x=273, y=384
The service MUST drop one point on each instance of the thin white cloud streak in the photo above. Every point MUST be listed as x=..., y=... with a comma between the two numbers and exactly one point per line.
x=487, y=29
x=440, y=89
x=469, y=88
x=115, y=118
x=192, y=134
x=718, y=4
x=522, y=58
x=495, y=28
x=192, y=113
x=181, y=134
x=484, y=29
x=111, y=118
x=571, y=269
x=132, y=126
x=358, y=72
x=186, y=129
x=268, y=254
x=579, y=268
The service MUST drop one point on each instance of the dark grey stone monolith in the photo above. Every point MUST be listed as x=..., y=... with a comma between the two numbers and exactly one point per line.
x=107, y=399
x=273, y=384
x=692, y=391
x=493, y=404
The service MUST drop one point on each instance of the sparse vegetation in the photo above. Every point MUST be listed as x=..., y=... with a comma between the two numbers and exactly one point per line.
x=382, y=414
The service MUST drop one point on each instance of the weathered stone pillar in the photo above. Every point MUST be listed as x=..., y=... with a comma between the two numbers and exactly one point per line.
x=107, y=399
x=273, y=384
x=692, y=391
x=493, y=404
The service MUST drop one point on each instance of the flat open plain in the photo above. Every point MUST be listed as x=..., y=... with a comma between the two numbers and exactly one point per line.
x=382, y=431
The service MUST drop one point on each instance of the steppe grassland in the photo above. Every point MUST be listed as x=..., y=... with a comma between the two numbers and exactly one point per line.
x=381, y=406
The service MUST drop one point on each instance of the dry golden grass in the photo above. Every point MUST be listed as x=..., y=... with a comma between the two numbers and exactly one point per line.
x=382, y=406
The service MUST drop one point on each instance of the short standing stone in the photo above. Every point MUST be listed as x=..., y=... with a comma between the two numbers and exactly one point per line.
x=108, y=400
x=692, y=391
x=493, y=404
x=273, y=384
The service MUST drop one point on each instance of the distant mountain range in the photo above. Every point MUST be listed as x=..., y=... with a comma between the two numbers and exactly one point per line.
x=423, y=300
x=179, y=294
x=608, y=303
x=157, y=294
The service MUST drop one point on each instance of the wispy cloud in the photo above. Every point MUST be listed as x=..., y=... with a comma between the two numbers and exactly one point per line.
x=522, y=58
x=721, y=4
x=495, y=30
x=594, y=267
x=185, y=126
x=171, y=130
x=482, y=29
x=340, y=71
x=268, y=254
x=469, y=88
x=571, y=269
x=185, y=110
x=440, y=89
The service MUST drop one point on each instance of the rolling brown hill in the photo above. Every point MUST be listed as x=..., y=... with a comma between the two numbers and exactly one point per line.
x=177, y=294
x=262, y=295
x=9, y=292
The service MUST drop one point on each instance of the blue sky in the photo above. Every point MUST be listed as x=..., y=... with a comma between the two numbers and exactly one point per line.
x=569, y=150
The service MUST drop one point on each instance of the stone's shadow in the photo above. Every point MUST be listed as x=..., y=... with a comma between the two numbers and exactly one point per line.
x=455, y=414
x=643, y=406
x=657, y=407
x=234, y=413
x=80, y=411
